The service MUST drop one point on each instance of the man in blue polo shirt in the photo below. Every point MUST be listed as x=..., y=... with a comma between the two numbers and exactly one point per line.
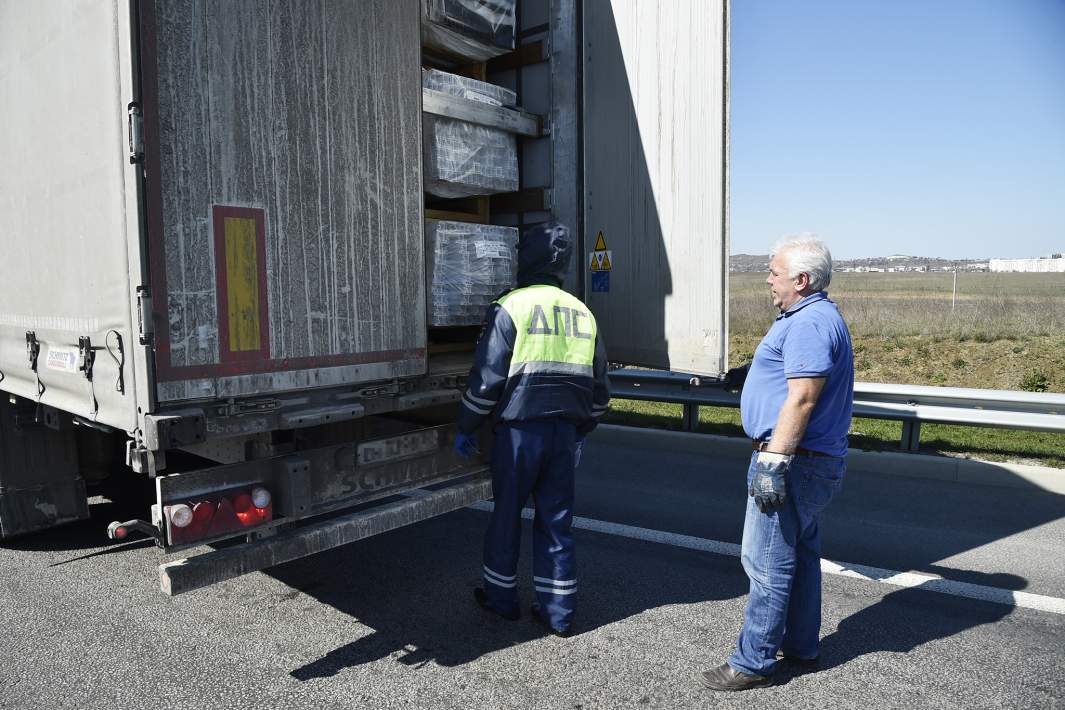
x=796, y=408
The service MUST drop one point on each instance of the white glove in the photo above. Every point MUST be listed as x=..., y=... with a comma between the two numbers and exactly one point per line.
x=771, y=458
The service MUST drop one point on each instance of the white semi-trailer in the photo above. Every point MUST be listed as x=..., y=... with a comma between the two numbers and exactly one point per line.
x=213, y=247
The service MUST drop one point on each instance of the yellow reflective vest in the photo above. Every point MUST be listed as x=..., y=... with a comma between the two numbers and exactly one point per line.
x=539, y=357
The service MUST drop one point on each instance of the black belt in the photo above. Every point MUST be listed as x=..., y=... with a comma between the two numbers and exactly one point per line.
x=800, y=451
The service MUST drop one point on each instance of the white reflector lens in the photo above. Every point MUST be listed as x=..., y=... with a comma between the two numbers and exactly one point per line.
x=180, y=515
x=260, y=497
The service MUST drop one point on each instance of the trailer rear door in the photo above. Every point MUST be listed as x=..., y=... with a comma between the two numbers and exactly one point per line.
x=656, y=180
x=284, y=194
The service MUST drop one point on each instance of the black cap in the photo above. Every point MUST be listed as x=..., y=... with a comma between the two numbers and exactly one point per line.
x=544, y=253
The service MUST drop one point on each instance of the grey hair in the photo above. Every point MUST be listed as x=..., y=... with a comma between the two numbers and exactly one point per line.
x=806, y=254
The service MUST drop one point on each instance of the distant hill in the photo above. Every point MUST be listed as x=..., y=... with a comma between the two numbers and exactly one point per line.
x=739, y=263
x=748, y=262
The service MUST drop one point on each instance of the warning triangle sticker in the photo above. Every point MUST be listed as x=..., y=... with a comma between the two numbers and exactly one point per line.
x=600, y=243
x=604, y=265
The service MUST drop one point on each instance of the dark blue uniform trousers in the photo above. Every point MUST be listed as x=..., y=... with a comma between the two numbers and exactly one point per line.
x=533, y=458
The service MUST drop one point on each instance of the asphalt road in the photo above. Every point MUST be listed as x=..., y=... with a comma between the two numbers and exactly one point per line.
x=390, y=622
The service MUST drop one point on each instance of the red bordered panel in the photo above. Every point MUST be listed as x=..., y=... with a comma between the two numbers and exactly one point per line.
x=242, y=360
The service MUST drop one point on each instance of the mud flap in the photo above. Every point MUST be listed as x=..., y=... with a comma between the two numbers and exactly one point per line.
x=40, y=485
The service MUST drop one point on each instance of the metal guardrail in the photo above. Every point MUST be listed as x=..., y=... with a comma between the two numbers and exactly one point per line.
x=910, y=404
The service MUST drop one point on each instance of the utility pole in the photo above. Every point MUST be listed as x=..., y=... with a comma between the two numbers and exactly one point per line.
x=954, y=293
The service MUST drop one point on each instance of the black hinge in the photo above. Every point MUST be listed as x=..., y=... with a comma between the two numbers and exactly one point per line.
x=33, y=349
x=233, y=408
x=86, y=356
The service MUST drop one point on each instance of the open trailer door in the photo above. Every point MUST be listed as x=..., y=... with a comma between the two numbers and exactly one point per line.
x=284, y=194
x=655, y=127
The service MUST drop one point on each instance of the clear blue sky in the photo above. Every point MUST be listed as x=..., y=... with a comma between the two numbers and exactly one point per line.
x=924, y=127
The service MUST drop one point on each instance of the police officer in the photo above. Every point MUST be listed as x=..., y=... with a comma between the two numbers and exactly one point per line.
x=540, y=371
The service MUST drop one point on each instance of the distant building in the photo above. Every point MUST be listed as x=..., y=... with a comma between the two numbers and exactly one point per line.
x=1040, y=265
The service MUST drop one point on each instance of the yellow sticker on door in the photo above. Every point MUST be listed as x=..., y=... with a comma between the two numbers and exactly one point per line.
x=602, y=258
x=242, y=279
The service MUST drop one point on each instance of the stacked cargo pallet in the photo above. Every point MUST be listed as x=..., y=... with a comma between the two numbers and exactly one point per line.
x=470, y=130
x=469, y=266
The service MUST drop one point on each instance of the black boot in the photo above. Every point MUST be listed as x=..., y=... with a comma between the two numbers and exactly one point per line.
x=540, y=619
x=482, y=601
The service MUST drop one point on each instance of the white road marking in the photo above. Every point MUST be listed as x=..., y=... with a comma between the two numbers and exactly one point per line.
x=910, y=580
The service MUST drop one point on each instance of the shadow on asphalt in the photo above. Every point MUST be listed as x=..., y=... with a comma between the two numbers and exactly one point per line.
x=900, y=523
x=113, y=550
x=414, y=588
x=908, y=618
x=86, y=534
x=914, y=524
x=999, y=580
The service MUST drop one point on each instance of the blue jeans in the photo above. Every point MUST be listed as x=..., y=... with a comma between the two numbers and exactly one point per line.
x=781, y=554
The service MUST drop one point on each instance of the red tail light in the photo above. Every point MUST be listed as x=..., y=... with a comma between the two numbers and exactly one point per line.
x=202, y=513
x=225, y=518
x=245, y=510
x=217, y=515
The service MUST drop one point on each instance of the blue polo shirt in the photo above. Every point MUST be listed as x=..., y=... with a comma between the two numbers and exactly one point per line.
x=809, y=339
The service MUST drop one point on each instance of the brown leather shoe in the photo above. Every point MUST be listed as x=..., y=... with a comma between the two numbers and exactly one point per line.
x=727, y=678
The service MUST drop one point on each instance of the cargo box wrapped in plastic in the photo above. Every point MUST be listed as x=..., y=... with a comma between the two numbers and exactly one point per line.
x=467, y=88
x=475, y=29
x=469, y=266
x=463, y=159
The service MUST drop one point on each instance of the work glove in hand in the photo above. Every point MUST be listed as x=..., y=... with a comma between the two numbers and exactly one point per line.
x=577, y=453
x=767, y=480
x=466, y=445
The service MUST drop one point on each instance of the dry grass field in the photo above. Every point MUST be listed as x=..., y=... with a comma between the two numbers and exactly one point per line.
x=1006, y=331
